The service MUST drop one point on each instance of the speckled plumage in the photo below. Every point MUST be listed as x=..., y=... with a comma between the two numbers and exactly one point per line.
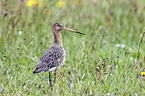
x=54, y=57
x=51, y=59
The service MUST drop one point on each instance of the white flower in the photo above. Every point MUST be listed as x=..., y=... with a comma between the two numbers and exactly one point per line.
x=20, y=32
x=117, y=45
x=123, y=45
x=120, y=45
x=104, y=41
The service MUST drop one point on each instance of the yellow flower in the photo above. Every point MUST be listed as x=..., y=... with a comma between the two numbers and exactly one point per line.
x=31, y=3
x=60, y=4
x=142, y=73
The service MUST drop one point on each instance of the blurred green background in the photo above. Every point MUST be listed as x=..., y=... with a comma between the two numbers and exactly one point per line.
x=105, y=61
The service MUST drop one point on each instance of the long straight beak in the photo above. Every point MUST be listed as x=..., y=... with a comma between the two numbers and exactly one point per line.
x=64, y=28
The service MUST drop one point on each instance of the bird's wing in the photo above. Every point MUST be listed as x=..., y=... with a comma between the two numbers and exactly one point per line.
x=53, y=57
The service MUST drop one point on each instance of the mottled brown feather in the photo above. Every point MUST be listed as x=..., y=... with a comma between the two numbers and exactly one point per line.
x=53, y=57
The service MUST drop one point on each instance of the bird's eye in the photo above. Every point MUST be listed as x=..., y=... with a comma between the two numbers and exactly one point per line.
x=59, y=25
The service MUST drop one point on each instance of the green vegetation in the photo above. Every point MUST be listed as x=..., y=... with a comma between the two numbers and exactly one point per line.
x=102, y=62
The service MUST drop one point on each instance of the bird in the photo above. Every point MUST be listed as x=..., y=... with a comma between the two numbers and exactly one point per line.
x=53, y=58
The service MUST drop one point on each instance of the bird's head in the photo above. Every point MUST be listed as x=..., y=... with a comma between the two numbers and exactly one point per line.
x=57, y=27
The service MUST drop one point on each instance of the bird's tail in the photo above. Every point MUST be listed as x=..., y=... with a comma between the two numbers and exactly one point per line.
x=39, y=68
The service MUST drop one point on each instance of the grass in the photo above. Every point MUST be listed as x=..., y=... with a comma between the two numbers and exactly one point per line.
x=93, y=65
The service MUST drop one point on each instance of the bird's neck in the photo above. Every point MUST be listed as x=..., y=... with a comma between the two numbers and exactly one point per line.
x=57, y=39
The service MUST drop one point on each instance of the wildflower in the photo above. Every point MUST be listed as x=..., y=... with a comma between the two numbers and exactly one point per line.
x=104, y=42
x=120, y=45
x=31, y=3
x=20, y=32
x=123, y=45
x=142, y=73
x=117, y=45
x=60, y=4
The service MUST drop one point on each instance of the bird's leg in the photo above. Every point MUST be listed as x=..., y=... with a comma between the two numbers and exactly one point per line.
x=50, y=80
x=55, y=76
x=55, y=71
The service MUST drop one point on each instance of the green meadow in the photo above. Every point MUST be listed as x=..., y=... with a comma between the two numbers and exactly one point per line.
x=107, y=61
